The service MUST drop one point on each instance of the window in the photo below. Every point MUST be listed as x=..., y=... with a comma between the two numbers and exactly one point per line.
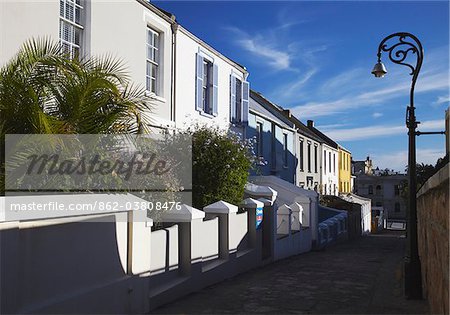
x=274, y=147
x=259, y=139
x=152, y=72
x=370, y=190
x=70, y=28
x=329, y=161
x=239, y=95
x=206, y=85
x=238, y=101
x=396, y=190
x=325, y=161
x=334, y=163
x=397, y=207
x=378, y=190
x=309, y=157
x=315, y=159
x=301, y=155
x=285, y=149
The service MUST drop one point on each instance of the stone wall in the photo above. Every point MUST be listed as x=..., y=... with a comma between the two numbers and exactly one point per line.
x=433, y=234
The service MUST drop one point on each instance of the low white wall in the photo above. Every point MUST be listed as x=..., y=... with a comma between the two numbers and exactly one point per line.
x=238, y=231
x=210, y=239
x=164, y=250
x=77, y=264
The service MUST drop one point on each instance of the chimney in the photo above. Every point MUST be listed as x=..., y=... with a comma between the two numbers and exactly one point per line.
x=310, y=123
x=287, y=112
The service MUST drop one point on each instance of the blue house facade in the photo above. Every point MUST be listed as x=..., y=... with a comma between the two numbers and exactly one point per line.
x=275, y=138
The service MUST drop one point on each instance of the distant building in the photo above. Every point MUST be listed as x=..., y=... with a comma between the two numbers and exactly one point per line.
x=329, y=165
x=362, y=167
x=274, y=135
x=309, y=158
x=384, y=191
x=345, y=175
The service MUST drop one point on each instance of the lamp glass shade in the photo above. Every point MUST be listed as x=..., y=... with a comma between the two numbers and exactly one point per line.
x=379, y=70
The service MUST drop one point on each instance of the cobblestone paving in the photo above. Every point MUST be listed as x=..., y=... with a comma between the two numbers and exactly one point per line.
x=356, y=277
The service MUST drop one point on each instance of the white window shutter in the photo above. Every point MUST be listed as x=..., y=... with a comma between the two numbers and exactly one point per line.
x=245, y=100
x=232, y=98
x=199, y=84
x=215, y=89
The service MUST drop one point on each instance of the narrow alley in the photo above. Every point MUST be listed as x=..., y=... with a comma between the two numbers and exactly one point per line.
x=363, y=276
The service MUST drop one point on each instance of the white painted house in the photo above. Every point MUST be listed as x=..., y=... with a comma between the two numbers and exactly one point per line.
x=187, y=79
x=308, y=152
x=210, y=89
x=329, y=165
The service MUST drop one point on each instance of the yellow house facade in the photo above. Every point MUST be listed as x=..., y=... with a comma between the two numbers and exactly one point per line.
x=345, y=174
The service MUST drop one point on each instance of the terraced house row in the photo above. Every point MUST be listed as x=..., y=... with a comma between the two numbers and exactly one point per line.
x=188, y=80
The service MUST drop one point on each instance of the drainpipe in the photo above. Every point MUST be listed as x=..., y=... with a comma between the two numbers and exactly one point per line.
x=173, y=82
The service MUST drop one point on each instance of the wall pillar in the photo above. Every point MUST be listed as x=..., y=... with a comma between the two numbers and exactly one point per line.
x=186, y=217
x=251, y=206
x=284, y=217
x=222, y=210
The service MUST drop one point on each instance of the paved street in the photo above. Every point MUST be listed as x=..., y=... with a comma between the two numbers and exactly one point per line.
x=357, y=277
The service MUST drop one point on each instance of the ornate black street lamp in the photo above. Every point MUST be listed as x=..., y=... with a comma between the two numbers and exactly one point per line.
x=405, y=44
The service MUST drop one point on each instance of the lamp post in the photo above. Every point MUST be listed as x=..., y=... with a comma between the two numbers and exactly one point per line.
x=407, y=43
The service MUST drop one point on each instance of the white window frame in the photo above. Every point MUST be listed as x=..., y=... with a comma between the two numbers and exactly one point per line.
x=72, y=25
x=149, y=62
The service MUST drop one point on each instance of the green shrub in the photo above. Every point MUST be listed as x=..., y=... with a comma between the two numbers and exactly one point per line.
x=220, y=166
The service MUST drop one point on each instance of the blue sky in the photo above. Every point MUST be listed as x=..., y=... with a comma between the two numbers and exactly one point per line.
x=315, y=58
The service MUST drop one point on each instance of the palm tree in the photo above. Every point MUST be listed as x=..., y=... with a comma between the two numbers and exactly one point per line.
x=42, y=91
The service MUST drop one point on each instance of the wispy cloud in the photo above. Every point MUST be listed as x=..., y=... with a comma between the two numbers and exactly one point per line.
x=273, y=47
x=354, y=88
x=265, y=47
x=363, y=133
x=441, y=100
x=277, y=59
x=398, y=160
x=432, y=82
x=377, y=115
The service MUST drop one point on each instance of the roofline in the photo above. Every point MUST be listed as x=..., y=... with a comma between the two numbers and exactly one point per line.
x=160, y=12
x=209, y=47
x=272, y=106
x=330, y=142
x=171, y=18
x=343, y=148
x=302, y=128
x=269, y=119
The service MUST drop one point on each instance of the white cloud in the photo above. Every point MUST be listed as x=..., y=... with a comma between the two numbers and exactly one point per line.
x=362, y=133
x=398, y=160
x=377, y=115
x=277, y=59
x=442, y=99
x=359, y=99
x=354, y=88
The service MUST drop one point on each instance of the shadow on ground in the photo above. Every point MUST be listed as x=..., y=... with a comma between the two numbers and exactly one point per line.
x=363, y=276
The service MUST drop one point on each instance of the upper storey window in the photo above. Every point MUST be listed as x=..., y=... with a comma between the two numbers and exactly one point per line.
x=153, y=54
x=70, y=26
